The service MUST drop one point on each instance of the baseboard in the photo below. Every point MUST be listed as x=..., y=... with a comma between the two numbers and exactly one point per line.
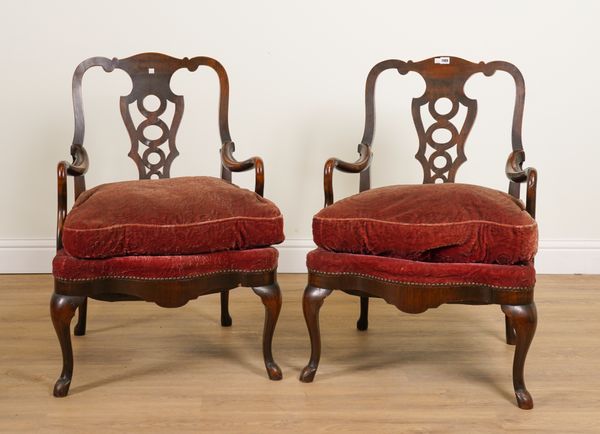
x=568, y=257
x=292, y=255
x=30, y=255
x=554, y=256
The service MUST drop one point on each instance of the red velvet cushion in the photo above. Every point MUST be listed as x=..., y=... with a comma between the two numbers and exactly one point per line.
x=421, y=273
x=432, y=222
x=169, y=217
x=66, y=267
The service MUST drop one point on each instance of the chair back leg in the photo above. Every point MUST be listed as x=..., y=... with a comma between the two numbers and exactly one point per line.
x=225, y=317
x=363, y=319
x=82, y=320
x=510, y=330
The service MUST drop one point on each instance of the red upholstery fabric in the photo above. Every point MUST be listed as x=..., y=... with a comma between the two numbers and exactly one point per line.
x=66, y=267
x=176, y=216
x=423, y=273
x=432, y=222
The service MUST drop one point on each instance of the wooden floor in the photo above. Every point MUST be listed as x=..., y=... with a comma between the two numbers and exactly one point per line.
x=142, y=368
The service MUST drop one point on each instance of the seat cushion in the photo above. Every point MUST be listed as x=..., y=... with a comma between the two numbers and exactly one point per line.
x=178, y=216
x=433, y=222
x=68, y=268
x=406, y=272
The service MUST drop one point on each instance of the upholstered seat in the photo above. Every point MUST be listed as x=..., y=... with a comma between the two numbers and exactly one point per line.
x=406, y=272
x=436, y=223
x=178, y=216
x=68, y=268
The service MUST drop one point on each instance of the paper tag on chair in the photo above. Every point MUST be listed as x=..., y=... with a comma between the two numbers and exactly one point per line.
x=442, y=60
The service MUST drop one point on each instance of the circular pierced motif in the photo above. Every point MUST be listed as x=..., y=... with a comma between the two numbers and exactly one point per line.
x=440, y=162
x=147, y=105
x=438, y=111
x=150, y=157
x=441, y=125
x=153, y=157
x=153, y=132
x=153, y=142
x=442, y=135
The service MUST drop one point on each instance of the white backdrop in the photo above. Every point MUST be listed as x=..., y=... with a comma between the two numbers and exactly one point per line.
x=297, y=72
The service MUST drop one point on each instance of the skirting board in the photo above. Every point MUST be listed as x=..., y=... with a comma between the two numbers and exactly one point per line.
x=554, y=256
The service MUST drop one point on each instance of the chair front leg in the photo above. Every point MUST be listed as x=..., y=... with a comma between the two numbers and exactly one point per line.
x=225, y=317
x=82, y=321
x=524, y=320
x=311, y=304
x=62, y=310
x=271, y=297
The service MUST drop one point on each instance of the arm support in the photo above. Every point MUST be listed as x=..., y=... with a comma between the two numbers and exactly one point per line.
x=363, y=163
x=230, y=163
x=77, y=169
x=517, y=175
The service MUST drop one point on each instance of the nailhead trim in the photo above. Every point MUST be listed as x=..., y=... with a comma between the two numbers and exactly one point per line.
x=192, y=276
x=382, y=279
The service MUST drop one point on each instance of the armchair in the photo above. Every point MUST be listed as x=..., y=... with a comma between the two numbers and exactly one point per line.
x=420, y=246
x=157, y=239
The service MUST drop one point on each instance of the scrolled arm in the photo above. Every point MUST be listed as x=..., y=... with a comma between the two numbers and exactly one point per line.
x=80, y=163
x=229, y=162
x=517, y=175
x=363, y=163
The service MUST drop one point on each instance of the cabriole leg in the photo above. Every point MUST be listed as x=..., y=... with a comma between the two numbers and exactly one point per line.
x=271, y=297
x=62, y=310
x=225, y=317
x=82, y=321
x=363, y=319
x=524, y=320
x=311, y=304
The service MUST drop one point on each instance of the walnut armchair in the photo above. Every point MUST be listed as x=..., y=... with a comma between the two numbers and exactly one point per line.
x=161, y=240
x=419, y=246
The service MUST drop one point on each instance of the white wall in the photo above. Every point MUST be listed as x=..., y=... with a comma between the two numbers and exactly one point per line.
x=297, y=72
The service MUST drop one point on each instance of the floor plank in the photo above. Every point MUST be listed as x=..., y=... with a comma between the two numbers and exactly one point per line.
x=142, y=368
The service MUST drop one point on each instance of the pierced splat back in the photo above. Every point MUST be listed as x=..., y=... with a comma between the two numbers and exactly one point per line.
x=445, y=77
x=150, y=74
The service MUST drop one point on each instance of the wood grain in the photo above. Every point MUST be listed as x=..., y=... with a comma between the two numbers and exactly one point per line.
x=447, y=370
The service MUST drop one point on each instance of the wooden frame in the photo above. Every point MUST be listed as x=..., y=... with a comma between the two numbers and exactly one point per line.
x=150, y=74
x=445, y=77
